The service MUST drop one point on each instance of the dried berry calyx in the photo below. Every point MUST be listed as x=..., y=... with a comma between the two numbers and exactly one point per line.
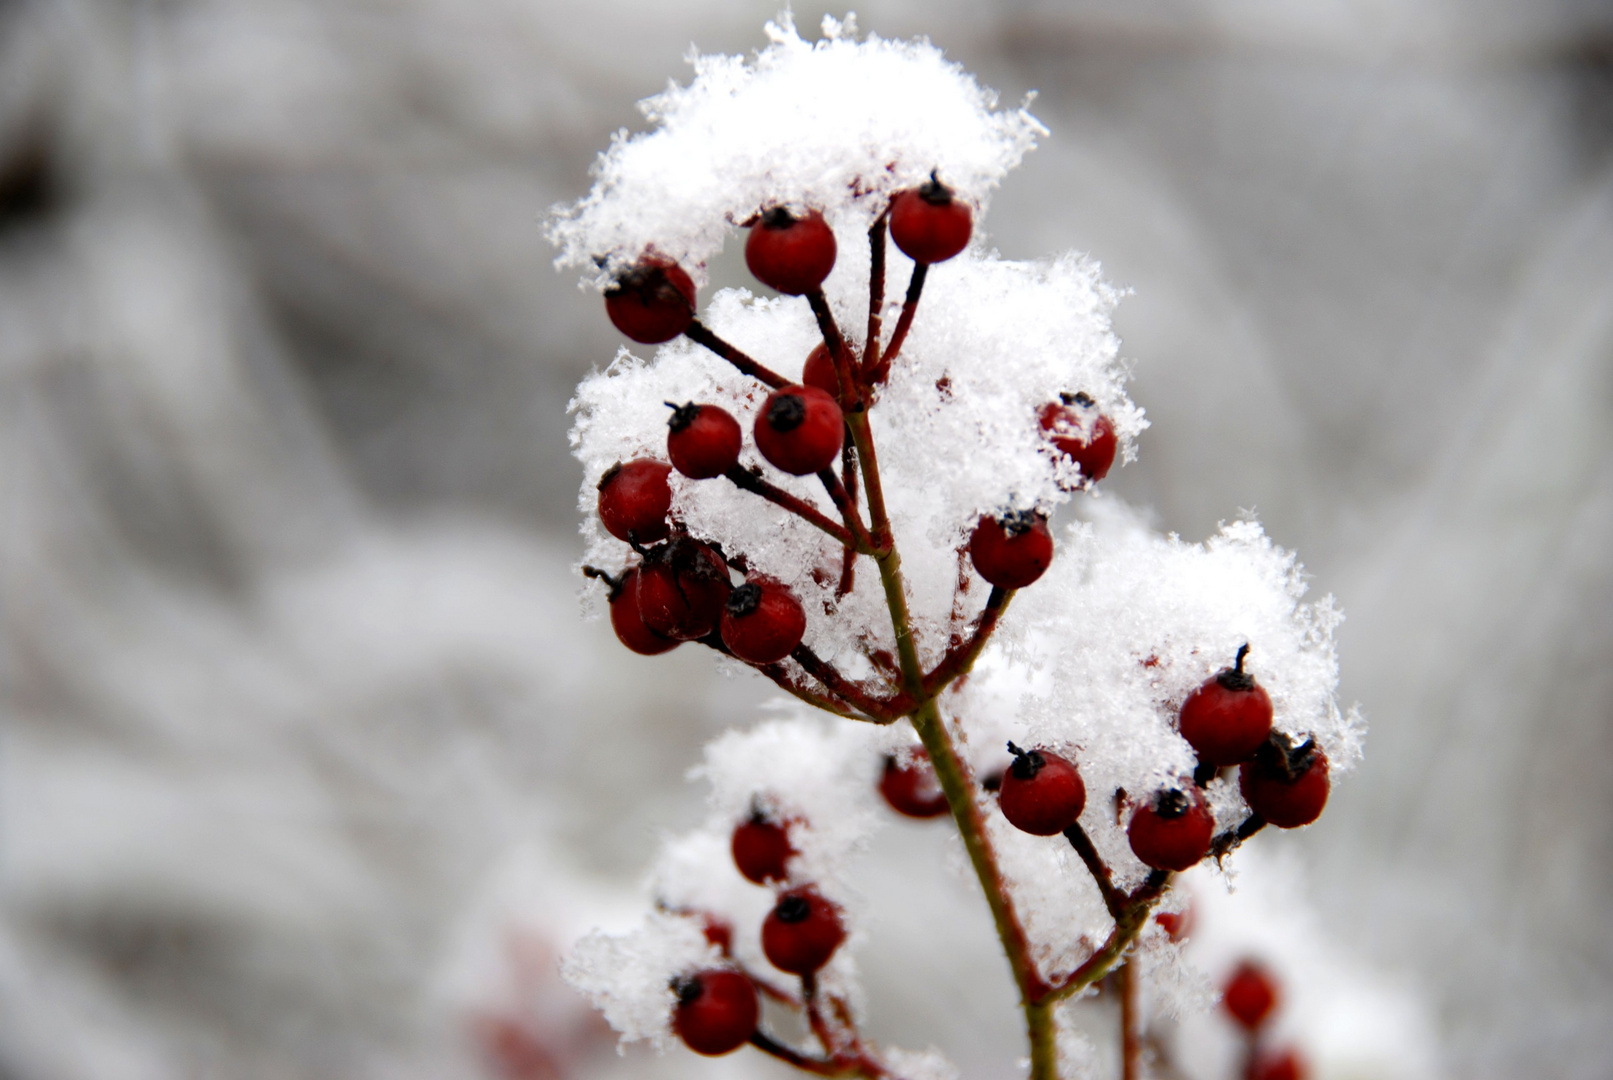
x=1279, y=757
x=786, y=412
x=1235, y=678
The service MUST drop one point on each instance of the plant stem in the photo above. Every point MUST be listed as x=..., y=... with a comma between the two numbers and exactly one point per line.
x=1043, y=1031
x=915, y=287
x=1128, y=1021
x=876, y=295
x=701, y=333
x=744, y=478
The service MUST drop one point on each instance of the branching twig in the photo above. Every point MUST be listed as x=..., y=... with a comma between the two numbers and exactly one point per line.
x=1113, y=898
x=910, y=306
x=841, y=687
x=876, y=296
x=959, y=660
x=846, y=370
x=848, y=510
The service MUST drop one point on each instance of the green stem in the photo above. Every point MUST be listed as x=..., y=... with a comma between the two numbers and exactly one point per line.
x=1043, y=1033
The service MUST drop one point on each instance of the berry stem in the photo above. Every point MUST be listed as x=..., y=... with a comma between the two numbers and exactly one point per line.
x=1228, y=842
x=910, y=306
x=959, y=660
x=1127, y=978
x=848, y=510
x=876, y=295
x=1133, y=916
x=743, y=478
x=841, y=687
x=1113, y=898
x=699, y=333
x=845, y=369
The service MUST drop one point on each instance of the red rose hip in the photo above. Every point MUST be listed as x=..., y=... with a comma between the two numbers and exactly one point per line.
x=716, y=1011
x=1081, y=433
x=634, y=498
x=1173, y=832
x=1011, y=551
x=629, y=624
x=799, y=430
x=681, y=588
x=1286, y=785
x=1249, y=995
x=801, y=932
x=761, y=848
x=702, y=440
x=929, y=223
x=1041, y=792
x=820, y=372
x=1228, y=718
x=912, y=789
x=651, y=303
x=788, y=253
x=762, y=622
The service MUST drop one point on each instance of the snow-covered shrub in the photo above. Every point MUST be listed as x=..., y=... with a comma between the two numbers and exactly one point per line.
x=994, y=393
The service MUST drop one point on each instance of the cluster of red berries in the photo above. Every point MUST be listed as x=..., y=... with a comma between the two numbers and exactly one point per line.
x=1227, y=721
x=681, y=589
x=716, y=1011
x=1250, y=997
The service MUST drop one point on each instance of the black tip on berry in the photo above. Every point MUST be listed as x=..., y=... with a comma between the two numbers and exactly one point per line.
x=688, y=989
x=1235, y=678
x=777, y=218
x=793, y=909
x=1280, y=759
x=992, y=781
x=1080, y=397
x=610, y=474
x=615, y=583
x=1019, y=522
x=744, y=600
x=787, y=412
x=1171, y=803
x=1027, y=763
x=934, y=192
x=682, y=415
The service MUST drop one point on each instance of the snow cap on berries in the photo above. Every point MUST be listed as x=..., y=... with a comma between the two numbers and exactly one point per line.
x=837, y=125
x=628, y=977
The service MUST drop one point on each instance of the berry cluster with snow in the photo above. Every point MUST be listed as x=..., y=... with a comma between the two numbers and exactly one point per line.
x=882, y=468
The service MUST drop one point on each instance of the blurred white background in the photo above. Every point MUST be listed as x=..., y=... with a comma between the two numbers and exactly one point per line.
x=300, y=725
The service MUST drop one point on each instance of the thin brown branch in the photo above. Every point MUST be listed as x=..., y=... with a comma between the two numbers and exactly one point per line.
x=1113, y=898
x=845, y=365
x=1132, y=918
x=700, y=333
x=957, y=661
x=910, y=306
x=753, y=483
x=848, y=510
x=1128, y=1022
x=876, y=295
x=880, y=711
x=1228, y=842
x=768, y=1045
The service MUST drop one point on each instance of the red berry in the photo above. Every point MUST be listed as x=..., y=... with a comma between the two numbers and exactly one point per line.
x=929, y=224
x=1249, y=995
x=634, y=499
x=1011, y=551
x=1173, y=832
x=651, y=303
x=762, y=622
x=820, y=371
x=1041, y=792
x=1175, y=923
x=702, y=440
x=790, y=254
x=1082, y=434
x=1228, y=718
x=799, y=430
x=629, y=624
x=912, y=789
x=1287, y=785
x=1282, y=1065
x=716, y=1012
x=761, y=848
x=681, y=588
x=801, y=932
x=717, y=932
